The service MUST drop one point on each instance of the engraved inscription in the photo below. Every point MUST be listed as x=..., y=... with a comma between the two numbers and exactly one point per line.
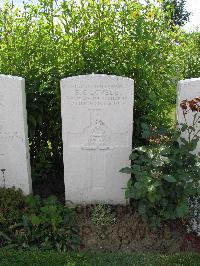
x=5, y=135
x=96, y=96
x=10, y=136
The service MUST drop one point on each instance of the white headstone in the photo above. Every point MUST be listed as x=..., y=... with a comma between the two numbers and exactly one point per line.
x=14, y=152
x=97, y=122
x=187, y=90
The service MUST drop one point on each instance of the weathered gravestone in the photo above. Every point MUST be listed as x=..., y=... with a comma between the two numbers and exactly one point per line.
x=187, y=90
x=97, y=120
x=14, y=153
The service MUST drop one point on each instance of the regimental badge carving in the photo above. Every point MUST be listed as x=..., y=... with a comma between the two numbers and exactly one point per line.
x=99, y=136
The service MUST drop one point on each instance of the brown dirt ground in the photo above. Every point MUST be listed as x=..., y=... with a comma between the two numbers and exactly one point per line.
x=130, y=233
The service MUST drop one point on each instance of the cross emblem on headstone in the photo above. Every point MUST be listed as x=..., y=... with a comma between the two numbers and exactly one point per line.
x=98, y=134
x=97, y=139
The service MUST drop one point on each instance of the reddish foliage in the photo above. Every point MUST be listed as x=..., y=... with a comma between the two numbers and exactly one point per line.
x=191, y=240
x=193, y=105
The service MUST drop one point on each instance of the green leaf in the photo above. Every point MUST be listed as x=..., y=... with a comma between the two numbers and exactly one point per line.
x=35, y=220
x=182, y=209
x=133, y=156
x=191, y=128
x=184, y=127
x=7, y=238
x=130, y=193
x=157, y=162
x=146, y=131
x=184, y=141
x=126, y=170
x=141, y=208
x=169, y=178
x=152, y=196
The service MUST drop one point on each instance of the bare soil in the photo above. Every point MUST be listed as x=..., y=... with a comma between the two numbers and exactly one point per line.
x=130, y=233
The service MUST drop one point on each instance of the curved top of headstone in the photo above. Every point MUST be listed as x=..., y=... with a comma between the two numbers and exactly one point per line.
x=11, y=77
x=188, y=88
x=186, y=81
x=97, y=75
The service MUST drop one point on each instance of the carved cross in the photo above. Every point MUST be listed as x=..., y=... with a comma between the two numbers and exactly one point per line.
x=98, y=140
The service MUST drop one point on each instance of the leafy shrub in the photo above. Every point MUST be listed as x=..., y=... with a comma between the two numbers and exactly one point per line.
x=191, y=55
x=103, y=215
x=166, y=175
x=43, y=168
x=12, y=204
x=46, y=224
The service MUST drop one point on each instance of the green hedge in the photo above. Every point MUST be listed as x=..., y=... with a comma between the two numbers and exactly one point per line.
x=10, y=258
x=192, y=55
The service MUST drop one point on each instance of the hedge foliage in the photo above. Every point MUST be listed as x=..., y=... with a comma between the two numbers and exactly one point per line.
x=48, y=41
x=192, y=55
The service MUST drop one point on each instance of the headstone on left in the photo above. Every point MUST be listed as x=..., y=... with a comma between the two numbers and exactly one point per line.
x=14, y=151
